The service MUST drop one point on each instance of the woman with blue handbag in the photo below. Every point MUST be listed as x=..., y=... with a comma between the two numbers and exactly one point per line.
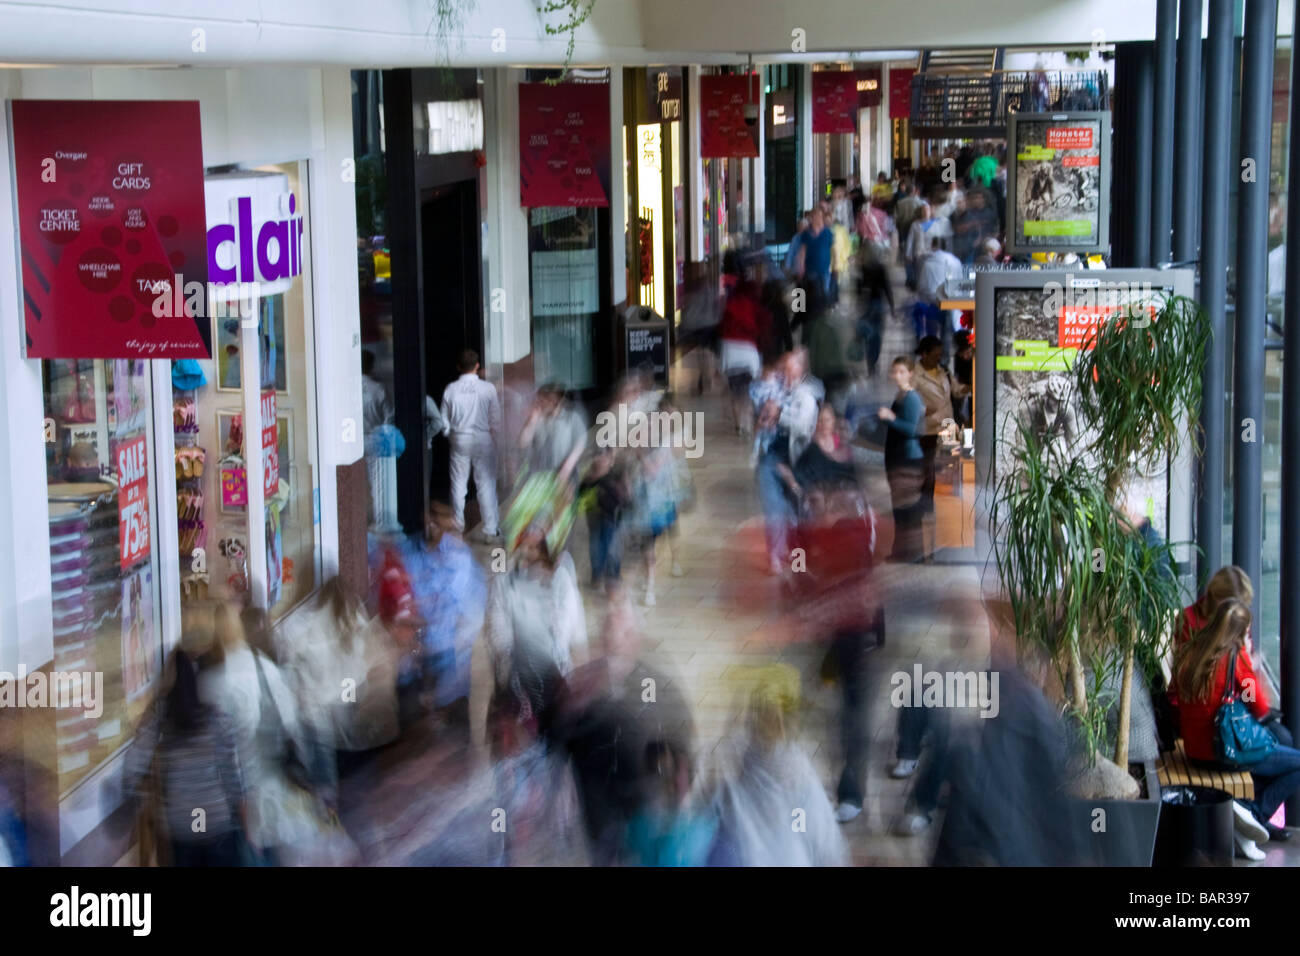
x=1221, y=703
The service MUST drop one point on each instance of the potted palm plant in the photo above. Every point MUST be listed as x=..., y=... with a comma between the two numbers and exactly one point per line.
x=1092, y=590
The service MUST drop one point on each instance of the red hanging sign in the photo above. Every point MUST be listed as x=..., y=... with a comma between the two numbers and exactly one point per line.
x=900, y=92
x=270, y=446
x=110, y=213
x=834, y=101
x=133, y=500
x=723, y=127
x=564, y=153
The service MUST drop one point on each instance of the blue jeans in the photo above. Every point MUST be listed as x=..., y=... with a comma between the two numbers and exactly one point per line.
x=777, y=510
x=1277, y=776
x=606, y=553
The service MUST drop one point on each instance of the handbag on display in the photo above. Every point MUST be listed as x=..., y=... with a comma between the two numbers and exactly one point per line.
x=1240, y=740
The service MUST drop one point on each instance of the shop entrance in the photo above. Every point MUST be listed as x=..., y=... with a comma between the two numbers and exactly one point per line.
x=449, y=234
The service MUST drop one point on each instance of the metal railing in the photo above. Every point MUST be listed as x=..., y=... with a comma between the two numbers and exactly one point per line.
x=966, y=104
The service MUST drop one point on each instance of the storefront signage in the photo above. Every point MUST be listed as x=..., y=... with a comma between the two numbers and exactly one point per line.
x=868, y=83
x=900, y=93
x=729, y=116
x=133, y=500
x=270, y=446
x=1057, y=182
x=564, y=149
x=110, y=209
x=834, y=101
x=664, y=89
x=781, y=115
x=255, y=234
x=566, y=282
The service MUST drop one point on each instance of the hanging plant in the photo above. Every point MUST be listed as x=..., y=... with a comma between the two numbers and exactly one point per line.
x=450, y=18
x=577, y=13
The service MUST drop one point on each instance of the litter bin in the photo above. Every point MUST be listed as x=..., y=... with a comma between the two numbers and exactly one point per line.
x=1195, y=827
x=645, y=339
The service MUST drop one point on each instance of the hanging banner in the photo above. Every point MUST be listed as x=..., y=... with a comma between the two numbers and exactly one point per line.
x=726, y=105
x=868, y=83
x=834, y=101
x=270, y=446
x=133, y=501
x=900, y=92
x=112, y=228
x=564, y=151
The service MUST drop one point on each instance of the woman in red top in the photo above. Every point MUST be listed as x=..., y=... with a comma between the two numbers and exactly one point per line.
x=1200, y=674
x=1229, y=581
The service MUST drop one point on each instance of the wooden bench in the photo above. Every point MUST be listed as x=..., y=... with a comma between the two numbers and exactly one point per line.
x=1174, y=769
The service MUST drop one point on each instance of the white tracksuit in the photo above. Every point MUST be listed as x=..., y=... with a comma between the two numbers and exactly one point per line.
x=472, y=417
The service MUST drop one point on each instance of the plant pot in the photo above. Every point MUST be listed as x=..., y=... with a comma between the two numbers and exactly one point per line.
x=1196, y=827
x=1126, y=834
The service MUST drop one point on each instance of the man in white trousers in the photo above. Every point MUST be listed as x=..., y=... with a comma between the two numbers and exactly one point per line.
x=471, y=421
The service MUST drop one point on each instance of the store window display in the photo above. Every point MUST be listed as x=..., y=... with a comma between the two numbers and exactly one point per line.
x=103, y=558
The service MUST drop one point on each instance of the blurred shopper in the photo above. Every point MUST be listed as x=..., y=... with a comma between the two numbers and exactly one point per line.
x=472, y=421
x=1008, y=804
x=905, y=461
x=875, y=301
x=701, y=314
x=185, y=754
x=285, y=819
x=318, y=653
x=934, y=384
x=451, y=597
x=669, y=830
x=553, y=438
x=937, y=270
x=611, y=710
x=607, y=486
x=743, y=324
x=906, y=210
x=1210, y=670
x=661, y=478
x=925, y=230
x=535, y=626
x=816, y=246
x=977, y=222
x=806, y=393
x=771, y=803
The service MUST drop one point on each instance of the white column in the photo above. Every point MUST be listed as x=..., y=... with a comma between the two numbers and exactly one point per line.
x=336, y=336
x=866, y=173
x=251, y=377
x=166, y=534
x=618, y=199
x=699, y=186
x=508, y=338
x=26, y=608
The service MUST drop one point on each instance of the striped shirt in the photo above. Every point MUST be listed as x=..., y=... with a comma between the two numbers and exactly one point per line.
x=195, y=770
